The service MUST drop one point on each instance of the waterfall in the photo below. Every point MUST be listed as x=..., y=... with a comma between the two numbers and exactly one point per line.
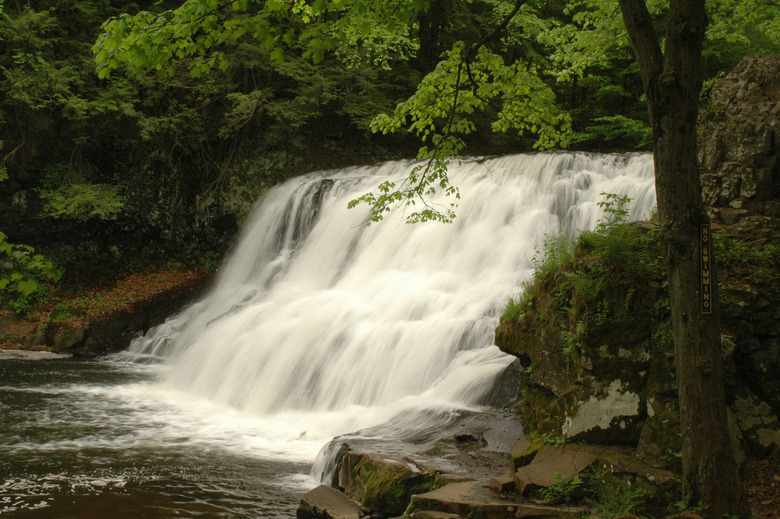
x=328, y=325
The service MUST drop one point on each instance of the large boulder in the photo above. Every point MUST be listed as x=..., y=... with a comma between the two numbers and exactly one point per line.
x=382, y=472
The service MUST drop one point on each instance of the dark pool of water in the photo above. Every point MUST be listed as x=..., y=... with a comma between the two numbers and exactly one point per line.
x=100, y=439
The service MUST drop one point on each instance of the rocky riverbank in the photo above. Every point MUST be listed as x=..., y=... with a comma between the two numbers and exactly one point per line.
x=84, y=320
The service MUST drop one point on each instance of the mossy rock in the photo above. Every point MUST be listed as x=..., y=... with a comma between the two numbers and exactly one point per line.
x=382, y=484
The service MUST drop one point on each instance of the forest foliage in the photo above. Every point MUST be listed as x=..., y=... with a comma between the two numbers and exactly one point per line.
x=554, y=74
x=158, y=113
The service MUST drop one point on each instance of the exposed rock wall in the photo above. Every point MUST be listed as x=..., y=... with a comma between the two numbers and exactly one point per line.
x=740, y=161
x=740, y=139
x=596, y=361
x=602, y=369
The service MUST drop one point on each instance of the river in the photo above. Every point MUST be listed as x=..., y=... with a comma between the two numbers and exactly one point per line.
x=105, y=439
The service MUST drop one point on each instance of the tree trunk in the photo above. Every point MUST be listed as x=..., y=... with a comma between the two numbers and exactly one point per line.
x=672, y=82
x=431, y=24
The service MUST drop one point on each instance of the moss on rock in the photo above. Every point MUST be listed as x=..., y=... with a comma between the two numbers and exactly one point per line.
x=383, y=484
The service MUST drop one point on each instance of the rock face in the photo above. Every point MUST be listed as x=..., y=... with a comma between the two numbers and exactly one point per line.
x=740, y=160
x=382, y=483
x=600, y=365
x=597, y=358
x=740, y=131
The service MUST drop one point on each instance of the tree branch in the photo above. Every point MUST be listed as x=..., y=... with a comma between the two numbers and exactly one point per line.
x=643, y=38
x=469, y=53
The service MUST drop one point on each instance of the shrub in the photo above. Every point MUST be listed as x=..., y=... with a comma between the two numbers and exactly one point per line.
x=83, y=202
x=23, y=274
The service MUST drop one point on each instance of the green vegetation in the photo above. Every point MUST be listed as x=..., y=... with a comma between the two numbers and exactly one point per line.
x=754, y=262
x=245, y=93
x=23, y=274
x=613, y=496
x=588, y=271
x=685, y=503
x=562, y=492
x=556, y=251
x=83, y=202
x=609, y=495
x=554, y=439
x=587, y=276
x=174, y=160
x=547, y=74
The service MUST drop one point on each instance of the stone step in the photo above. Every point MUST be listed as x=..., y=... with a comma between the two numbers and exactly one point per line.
x=474, y=500
x=551, y=466
x=429, y=514
x=325, y=502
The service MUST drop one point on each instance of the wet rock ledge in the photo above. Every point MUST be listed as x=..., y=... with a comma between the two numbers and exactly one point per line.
x=475, y=465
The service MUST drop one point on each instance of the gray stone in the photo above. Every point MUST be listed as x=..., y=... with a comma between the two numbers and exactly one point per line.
x=30, y=355
x=325, y=502
x=429, y=514
x=551, y=466
x=758, y=422
x=611, y=408
x=473, y=499
x=66, y=335
x=502, y=484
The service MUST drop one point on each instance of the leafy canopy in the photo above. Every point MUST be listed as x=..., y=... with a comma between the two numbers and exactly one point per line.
x=197, y=29
x=512, y=68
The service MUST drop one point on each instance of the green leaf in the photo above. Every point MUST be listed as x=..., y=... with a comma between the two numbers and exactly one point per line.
x=27, y=287
x=277, y=55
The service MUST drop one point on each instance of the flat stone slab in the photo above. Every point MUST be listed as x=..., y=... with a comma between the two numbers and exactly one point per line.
x=523, y=453
x=325, y=502
x=502, y=484
x=548, y=467
x=428, y=514
x=473, y=499
x=30, y=355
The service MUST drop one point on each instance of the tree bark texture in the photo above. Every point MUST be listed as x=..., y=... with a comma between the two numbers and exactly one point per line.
x=672, y=81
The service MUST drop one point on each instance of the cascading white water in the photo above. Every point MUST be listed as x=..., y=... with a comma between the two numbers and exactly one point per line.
x=326, y=325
